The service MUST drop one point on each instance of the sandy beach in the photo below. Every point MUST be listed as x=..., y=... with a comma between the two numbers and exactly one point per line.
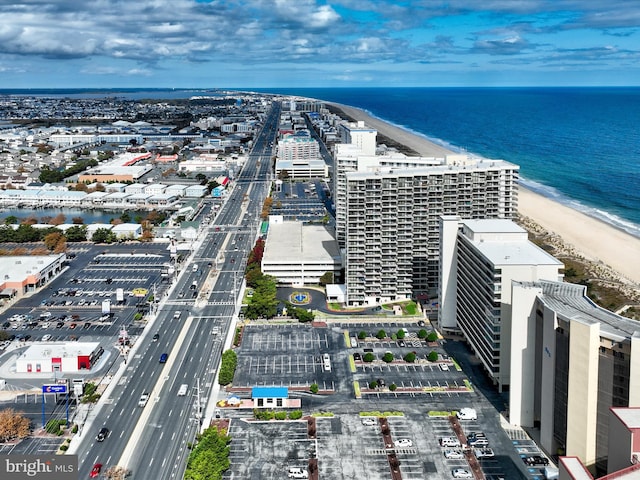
x=589, y=237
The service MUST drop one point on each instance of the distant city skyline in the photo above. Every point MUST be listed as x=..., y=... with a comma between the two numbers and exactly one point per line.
x=316, y=43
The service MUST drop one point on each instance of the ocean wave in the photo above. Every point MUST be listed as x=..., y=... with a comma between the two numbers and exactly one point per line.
x=537, y=187
x=599, y=214
x=438, y=141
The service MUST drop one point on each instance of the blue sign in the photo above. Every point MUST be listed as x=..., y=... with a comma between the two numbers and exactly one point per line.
x=54, y=389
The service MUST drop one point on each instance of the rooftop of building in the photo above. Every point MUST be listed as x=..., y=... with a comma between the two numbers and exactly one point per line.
x=305, y=243
x=630, y=416
x=16, y=268
x=59, y=349
x=505, y=243
x=571, y=302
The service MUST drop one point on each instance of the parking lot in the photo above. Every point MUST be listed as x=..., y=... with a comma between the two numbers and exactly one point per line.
x=292, y=355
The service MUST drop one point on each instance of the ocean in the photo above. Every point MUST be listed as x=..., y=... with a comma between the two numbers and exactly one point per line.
x=578, y=146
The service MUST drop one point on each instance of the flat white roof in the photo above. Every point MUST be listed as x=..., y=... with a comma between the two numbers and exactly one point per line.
x=630, y=416
x=15, y=269
x=59, y=349
x=503, y=242
x=297, y=243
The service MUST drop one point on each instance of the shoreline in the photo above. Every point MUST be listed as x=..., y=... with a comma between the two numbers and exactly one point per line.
x=580, y=234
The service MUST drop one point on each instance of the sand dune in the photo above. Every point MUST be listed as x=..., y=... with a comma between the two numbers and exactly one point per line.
x=589, y=237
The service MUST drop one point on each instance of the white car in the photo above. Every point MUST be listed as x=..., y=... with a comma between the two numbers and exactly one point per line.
x=403, y=443
x=483, y=453
x=444, y=367
x=369, y=421
x=46, y=338
x=461, y=473
x=144, y=398
x=453, y=454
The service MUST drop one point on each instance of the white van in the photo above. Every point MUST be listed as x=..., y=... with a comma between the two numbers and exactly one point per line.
x=354, y=342
x=449, y=442
x=183, y=390
x=195, y=267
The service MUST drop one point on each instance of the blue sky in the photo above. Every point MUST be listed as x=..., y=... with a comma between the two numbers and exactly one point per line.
x=315, y=43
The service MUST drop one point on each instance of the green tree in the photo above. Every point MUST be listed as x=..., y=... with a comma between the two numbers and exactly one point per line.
x=393, y=387
x=410, y=357
x=77, y=233
x=388, y=357
x=373, y=384
x=369, y=357
x=423, y=333
x=210, y=458
x=432, y=337
x=362, y=335
x=125, y=217
x=103, y=235
x=314, y=388
x=326, y=278
x=381, y=334
x=11, y=220
x=400, y=334
x=433, y=356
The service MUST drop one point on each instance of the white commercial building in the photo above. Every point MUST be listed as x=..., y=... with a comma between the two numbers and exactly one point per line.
x=297, y=254
x=478, y=261
x=68, y=357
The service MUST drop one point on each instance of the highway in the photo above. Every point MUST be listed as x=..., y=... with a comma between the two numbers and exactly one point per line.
x=152, y=440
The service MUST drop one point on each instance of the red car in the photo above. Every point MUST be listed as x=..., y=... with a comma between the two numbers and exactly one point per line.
x=95, y=471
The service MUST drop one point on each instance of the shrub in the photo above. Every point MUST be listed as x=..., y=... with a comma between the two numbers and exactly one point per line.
x=393, y=387
x=64, y=448
x=423, y=333
x=433, y=356
x=74, y=429
x=410, y=357
x=388, y=357
x=400, y=334
x=228, y=367
x=281, y=415
x=432, y=337
x=295, y=415
x=381, y=334
x=362, y=335
x=369, y=357
x=314, y=388
x=373, y=384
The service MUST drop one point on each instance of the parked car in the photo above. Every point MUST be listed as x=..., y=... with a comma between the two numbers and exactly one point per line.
x=536, y=460
x=403, y=443
x=461, y=473
x=483, y=453
x=369, y=421
x=453, y=454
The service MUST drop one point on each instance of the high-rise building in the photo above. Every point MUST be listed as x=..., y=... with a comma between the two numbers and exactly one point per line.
x=571, y=361
x=479, y=259
x=391, y=227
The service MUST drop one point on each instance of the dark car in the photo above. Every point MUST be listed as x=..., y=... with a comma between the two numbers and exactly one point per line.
x=163, y=358
x=59, y=324
x=357, y=356
x=194, y=294
x=102, y=434
x=6, y=324
x=156, y=337
x=536, y=460
x=87, y=325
